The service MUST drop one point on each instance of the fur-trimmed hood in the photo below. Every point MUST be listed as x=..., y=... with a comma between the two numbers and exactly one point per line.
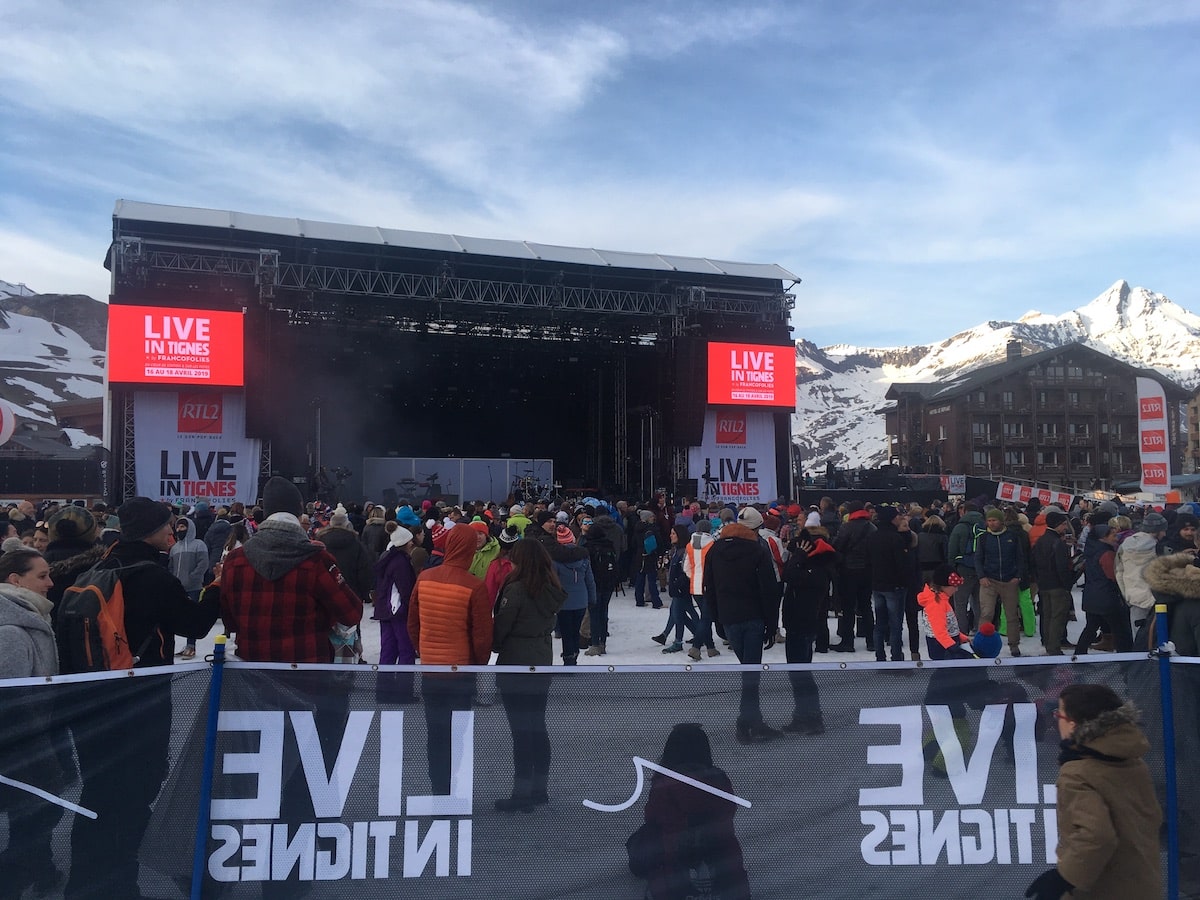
x=64, y=571
x=1114, y=734
x=1175, y=576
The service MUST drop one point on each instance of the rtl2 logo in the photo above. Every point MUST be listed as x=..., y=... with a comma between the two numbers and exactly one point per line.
x=731, y=428
x=200, y=413
x=1154, y=473
x=1150, y=408
x=1154, y=441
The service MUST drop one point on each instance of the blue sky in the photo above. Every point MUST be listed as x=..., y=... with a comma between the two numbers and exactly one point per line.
x=922, y=166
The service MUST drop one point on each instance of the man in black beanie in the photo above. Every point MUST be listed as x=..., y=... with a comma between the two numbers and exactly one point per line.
x=122, y=742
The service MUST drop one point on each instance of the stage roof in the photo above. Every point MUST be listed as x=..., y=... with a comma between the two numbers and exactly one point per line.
x=134, y=211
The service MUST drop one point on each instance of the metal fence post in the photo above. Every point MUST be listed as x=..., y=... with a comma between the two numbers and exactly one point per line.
x=1168, y=718
x=206, y=774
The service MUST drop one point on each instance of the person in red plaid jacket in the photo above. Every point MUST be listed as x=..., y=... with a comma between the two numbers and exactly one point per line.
x=281, y=594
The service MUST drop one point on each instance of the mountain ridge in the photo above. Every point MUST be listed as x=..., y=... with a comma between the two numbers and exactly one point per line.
x=1133, y=324
x=52, y=349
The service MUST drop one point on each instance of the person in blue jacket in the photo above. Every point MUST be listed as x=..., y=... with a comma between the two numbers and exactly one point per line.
x=577, y=580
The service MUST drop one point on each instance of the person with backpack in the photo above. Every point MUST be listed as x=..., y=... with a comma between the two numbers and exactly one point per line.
x=960, y=550
x=605, y=557
x=122, y=743
x=575, y=575
x=647, y=548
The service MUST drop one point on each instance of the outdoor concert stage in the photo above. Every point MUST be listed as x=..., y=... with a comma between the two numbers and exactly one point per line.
x=244, y=345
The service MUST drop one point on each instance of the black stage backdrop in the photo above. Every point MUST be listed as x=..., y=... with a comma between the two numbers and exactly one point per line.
x=928, y=781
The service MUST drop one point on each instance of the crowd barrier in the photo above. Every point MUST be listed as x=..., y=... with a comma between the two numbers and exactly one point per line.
x=930, y=780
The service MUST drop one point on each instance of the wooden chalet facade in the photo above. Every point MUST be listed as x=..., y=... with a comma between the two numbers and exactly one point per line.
x=1065, y=417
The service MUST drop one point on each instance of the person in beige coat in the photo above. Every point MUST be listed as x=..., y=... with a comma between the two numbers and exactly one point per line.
x=1108, y=814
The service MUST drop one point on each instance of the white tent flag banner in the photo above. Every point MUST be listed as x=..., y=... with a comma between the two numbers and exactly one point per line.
x=736, y=462
x=190, y=447
x=1153, y=437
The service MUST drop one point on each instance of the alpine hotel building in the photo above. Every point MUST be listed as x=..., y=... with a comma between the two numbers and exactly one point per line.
x=1065, y=417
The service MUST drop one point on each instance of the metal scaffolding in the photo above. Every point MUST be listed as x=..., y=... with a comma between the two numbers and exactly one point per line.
x=286, y=282
x=127, y=477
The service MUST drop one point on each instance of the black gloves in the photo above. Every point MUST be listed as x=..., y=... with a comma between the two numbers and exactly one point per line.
x=1049, y=886
x=768, y=638
x=962, y=651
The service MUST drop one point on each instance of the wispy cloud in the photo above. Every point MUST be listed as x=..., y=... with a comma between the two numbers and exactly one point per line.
x=974, y=156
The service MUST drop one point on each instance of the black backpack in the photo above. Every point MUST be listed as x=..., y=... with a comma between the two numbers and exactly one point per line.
x=604, y=562
x=970, y=545
x=678, y=584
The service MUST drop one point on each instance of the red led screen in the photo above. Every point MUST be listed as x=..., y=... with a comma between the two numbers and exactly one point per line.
x=751, y=375
x=167, y=345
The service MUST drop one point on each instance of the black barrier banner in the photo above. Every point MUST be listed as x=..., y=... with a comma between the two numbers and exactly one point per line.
x=897, y=780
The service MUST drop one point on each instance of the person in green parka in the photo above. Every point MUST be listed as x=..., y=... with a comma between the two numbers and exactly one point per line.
x=487, y=549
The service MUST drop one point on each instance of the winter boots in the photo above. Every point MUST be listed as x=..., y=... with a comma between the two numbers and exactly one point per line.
x=521, y=799
x=798, y=725
x=595, y=650
x=758, y=733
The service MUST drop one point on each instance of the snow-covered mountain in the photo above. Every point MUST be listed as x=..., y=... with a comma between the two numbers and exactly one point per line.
x=15, y=290
x=51, y=350
x=840, y=389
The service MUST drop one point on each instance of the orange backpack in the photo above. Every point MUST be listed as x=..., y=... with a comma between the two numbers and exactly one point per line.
x=90, y=627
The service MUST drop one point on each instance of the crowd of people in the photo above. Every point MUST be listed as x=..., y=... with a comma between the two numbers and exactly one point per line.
x=452, y=585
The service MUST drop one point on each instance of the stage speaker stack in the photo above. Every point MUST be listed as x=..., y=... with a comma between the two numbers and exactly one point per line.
x=691, y=391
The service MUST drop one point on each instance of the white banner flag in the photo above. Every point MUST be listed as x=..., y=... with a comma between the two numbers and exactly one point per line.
x=1153, y=437
x=736, y=462
x=190, y=447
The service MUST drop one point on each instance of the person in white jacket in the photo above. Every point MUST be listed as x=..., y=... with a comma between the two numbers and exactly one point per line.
x=1135, y=553
x=693, y=567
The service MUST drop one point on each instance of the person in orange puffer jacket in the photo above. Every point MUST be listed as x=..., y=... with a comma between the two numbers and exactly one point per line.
x=450, y=623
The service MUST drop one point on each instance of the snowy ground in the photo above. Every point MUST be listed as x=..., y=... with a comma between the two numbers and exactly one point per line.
x=630, y=630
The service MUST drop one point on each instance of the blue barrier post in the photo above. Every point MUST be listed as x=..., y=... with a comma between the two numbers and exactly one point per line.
x=1168, y=717
x=206, y=775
